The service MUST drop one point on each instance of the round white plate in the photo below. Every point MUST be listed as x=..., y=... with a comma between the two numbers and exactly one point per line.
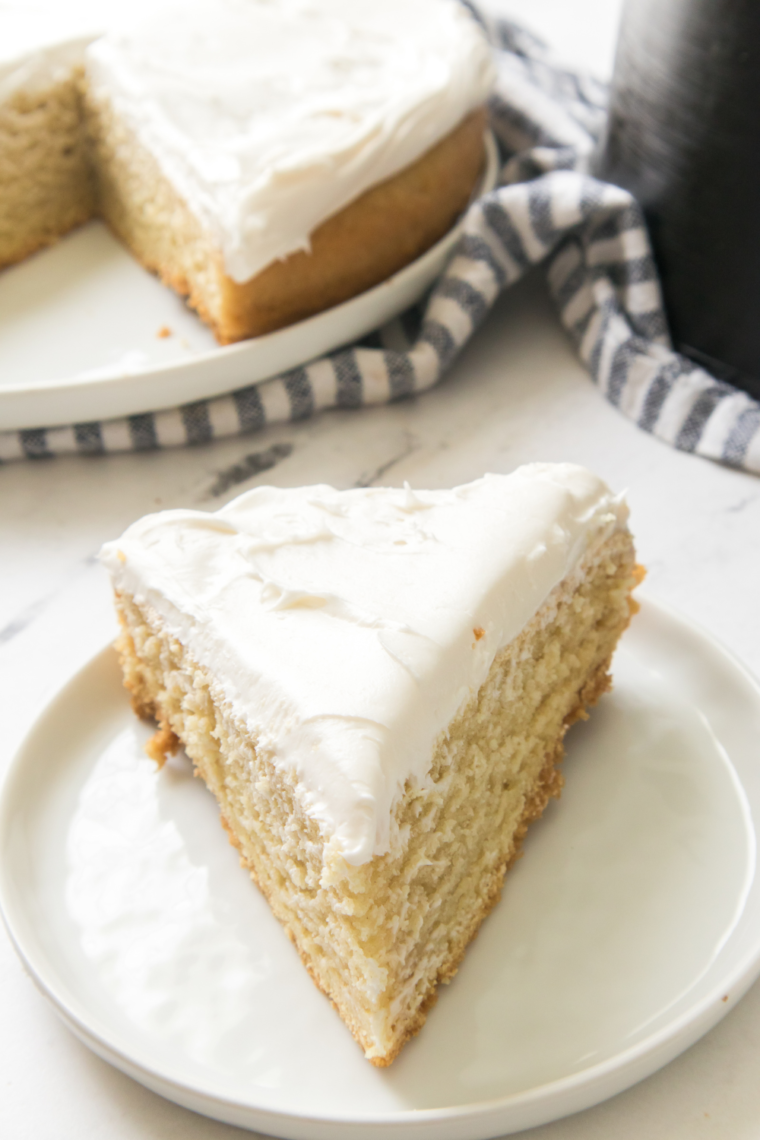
x=80, y=325
x=630, y=927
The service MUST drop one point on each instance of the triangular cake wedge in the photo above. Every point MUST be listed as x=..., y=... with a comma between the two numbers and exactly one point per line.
x=375, y=684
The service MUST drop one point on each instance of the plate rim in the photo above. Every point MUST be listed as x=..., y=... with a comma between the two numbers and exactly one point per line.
x=228, y=360
x=500, y=1115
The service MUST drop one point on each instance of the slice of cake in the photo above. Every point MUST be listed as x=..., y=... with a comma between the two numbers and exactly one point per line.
x=375, y=684
x=266, y=160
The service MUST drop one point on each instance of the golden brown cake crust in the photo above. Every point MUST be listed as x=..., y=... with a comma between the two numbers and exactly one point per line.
x=373, y=237
x=385, y=229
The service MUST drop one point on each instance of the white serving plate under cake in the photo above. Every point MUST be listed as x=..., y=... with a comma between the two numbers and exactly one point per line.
x=80, y=325
x=630, y=928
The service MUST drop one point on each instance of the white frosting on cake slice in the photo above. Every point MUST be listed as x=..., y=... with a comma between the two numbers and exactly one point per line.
x=346, y=628
x=269, y=116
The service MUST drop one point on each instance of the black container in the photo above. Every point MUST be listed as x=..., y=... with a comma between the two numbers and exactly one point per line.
x=684, y=138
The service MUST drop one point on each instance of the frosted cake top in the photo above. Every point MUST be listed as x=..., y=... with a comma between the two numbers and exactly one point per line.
x=347, y=628
x=269, y=116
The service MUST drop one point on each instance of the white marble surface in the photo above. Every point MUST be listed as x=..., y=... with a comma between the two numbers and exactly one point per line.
x=516, y=394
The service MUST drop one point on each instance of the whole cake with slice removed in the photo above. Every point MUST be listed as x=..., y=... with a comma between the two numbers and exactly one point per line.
x=375, y=684
x=268, y=160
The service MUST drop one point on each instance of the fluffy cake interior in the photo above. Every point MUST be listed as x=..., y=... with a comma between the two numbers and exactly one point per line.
x=46, y=180
x=378, y=938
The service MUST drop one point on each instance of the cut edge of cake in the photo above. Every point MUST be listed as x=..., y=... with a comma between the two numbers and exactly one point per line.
x=384, y=229
x=46, y=176
x=379, y=938
x=66, y=159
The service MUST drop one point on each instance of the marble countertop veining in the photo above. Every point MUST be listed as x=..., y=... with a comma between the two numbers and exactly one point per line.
x=516, y=394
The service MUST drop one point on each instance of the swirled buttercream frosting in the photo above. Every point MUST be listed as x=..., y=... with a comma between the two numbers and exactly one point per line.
x=269, y=116
x=345, y=629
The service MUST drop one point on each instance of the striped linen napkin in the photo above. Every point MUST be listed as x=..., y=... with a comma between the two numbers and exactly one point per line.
x=547, y=207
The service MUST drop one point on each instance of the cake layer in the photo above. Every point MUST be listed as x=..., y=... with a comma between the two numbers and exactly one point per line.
x=267, y=161
x=379, y=937
x=267, y=119
x=46, y=183
x=379, y=233
x=386, y=587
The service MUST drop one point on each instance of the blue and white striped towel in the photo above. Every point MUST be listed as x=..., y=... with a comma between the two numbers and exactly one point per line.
x=547, y=207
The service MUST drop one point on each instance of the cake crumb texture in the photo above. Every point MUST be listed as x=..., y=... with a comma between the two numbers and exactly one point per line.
x=46, y=181
x=380, y=937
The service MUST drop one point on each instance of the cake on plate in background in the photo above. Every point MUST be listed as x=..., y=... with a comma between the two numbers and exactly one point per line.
x=266, y=160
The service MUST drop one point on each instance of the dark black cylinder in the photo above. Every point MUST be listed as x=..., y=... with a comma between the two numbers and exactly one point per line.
x=684, y=138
